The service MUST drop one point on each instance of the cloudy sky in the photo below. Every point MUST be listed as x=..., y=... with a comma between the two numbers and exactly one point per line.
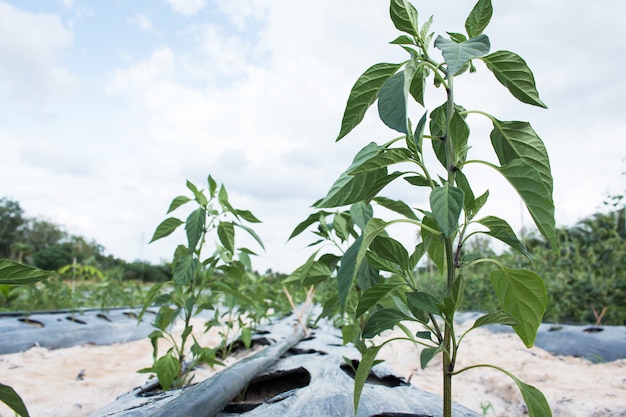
x=108, y=107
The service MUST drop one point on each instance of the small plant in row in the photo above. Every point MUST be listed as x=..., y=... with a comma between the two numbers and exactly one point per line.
x=220, y=283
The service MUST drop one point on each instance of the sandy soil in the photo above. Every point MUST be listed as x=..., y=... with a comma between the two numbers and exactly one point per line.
x=49, y=384
x=572, y=386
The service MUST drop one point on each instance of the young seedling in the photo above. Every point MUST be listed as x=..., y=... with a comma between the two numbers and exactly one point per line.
x=376, y=282
x=202, y=283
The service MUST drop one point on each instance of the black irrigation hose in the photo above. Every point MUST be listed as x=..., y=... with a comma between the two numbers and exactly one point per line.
x=209, y=397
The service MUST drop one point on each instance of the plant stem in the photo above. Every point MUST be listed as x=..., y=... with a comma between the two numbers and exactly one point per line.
x=448, y=355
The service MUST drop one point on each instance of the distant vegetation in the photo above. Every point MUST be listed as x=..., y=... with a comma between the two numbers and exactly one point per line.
x=586, y=284
x=85, y=277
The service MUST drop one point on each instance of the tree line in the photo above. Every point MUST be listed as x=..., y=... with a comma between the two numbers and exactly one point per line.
x=46, y=245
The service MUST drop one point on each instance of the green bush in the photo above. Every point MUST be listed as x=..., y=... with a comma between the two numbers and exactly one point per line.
x=585, y=279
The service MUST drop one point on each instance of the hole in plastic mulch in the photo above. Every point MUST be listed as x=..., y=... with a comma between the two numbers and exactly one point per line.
x=269, y=388
x=131, y=315
x=104, y=317
x=593, y=330
x=31, y=322
x=387, y=380
x=401, y=415
x=299, y=351
x=75, y=320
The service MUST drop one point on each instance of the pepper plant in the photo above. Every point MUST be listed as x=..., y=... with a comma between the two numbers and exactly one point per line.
x=201, y=283
x=433, y=150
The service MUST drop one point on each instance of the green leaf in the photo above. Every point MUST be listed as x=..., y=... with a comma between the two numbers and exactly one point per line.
x=166, y=228
x=497, y=317
x=418, y=85
x=501, y=230
x=247, y=216
x=452, y=301
x=252, y=233
x=367, y=275
x=361, y=213
x=392, y=103
x=518, y=140
x=414, y=142
x=13, y=400
x=381, y=264
x=523, y=295
x=194, y=226
x=398, y=206
x=373, y=228
x=362, y=372
x=468, y=194
x=177, y=202
x=382, y=320
x=391, y=250
x=341, y=225
x=186, y=332
x=212, y=186
x=386, y=157
x=531, y=188
x=317, y=273
x=434, y=244
x=149, y=298
x=426, y=335
x=350, y=332
x=167, y=369
x=363, y=95
x=347, y=271
x=536, y=402
x=185, y=269
x=196, y=192
x=246, y=337
x=403, y=40
x=301, y=272
x=14, y=273
x=423, y=301
x=371, y=297
x=427, y=354
x=313, y=218
x=457, y=55
x=226, y=234
x=459, y=131
x=418, y=253
x=457, y=37
x=478, y=18
x=513, y=73
x=228, y=289
x=480, y=201
x=438, y=128
x=418, y=181
x=348, y=188
x=165, y=317
x=446, y=203
x=404, y=17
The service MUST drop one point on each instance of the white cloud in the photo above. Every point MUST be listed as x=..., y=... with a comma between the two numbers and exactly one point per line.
x=30, y=46
x=143, y=22
x=187, y=7
x=140, y=76
x=241, y=12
